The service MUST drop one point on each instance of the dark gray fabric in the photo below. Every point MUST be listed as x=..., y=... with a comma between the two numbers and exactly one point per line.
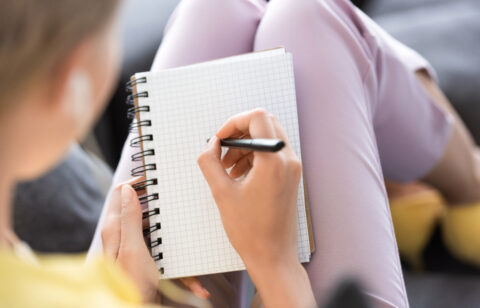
x=376, y=8
x=442, y=291
x=447, y=33
x=59, y=211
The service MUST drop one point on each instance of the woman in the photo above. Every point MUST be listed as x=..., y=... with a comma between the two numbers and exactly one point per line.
x=60, y=60
x=368, y=109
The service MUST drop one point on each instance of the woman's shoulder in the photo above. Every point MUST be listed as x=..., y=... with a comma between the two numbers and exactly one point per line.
x=64, y=281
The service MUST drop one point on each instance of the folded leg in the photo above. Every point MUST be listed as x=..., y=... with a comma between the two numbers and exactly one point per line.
x=334, y=70
x=208, y=29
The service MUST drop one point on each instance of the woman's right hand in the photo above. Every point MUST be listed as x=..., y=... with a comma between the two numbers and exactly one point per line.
x=259, y=211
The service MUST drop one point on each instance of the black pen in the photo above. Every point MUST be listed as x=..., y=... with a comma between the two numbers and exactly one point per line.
x=258, y=144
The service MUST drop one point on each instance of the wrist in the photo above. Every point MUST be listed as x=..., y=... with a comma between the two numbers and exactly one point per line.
x=282, y=283
x=266, y=264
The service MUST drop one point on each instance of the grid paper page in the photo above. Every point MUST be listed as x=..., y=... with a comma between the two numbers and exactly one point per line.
x=187, y=106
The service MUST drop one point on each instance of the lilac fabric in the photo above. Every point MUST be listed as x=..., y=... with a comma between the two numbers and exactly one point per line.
x=363, y=115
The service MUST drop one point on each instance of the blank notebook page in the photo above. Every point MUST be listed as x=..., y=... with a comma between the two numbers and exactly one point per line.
x=187, y=106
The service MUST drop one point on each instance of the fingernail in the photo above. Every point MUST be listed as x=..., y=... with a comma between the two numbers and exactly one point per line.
x=211, y=141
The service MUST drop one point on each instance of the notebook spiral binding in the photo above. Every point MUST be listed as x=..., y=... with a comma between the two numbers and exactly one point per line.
x=139, y=142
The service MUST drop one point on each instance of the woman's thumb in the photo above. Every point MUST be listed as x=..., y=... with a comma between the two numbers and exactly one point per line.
x=131, y=218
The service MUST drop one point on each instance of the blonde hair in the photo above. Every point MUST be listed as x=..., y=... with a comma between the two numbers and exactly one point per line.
x=36, y=35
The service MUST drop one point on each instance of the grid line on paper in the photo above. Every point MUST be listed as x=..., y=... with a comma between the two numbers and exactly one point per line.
x=188, y=105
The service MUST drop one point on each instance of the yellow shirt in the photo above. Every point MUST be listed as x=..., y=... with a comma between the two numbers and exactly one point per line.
x=63, y=281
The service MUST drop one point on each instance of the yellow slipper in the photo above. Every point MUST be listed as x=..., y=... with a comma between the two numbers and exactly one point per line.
x=461, y=232
x=414, y=219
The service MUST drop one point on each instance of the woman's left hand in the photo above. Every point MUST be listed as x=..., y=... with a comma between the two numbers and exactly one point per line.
x=122, y=237
x=123, y=241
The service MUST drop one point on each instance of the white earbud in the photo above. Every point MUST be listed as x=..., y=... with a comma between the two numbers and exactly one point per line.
x=78, y=100
x=79, y=94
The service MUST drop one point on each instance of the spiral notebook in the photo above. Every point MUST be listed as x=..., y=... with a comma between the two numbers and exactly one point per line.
x=176, y=110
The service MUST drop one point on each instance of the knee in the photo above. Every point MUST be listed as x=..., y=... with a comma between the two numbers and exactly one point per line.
x=319, y=40
x=215, y=9
x=216, y=18
x=292, y=24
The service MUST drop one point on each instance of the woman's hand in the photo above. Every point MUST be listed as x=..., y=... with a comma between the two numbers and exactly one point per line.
x=123, y=241
x=259, y=211
x=122, y=237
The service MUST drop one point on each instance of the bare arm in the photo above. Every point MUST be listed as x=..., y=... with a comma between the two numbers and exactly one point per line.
x=457, y=174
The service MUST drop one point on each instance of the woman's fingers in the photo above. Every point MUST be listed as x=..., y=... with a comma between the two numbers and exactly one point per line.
x=255, y=123
x=195, y=286
x=233, y=156
x=133, y=255
x=282, y=135
x=212, y=169
x=111, y=230
x=137, y=182
x=131, y=231
x=111, y=236
x=279, y=131
x=242, y=166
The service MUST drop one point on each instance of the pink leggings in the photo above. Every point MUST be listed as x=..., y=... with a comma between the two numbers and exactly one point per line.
x=363, y=115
